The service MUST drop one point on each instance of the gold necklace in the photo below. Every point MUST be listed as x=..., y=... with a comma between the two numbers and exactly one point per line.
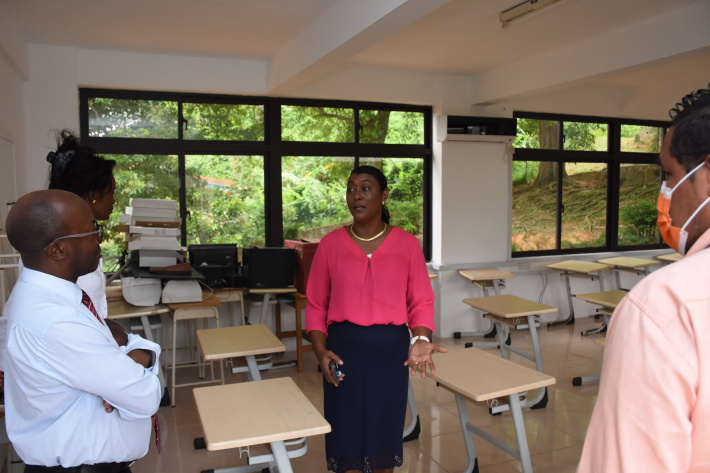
x=367, y=239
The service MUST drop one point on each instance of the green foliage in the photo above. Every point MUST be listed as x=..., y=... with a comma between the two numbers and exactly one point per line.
x=322, y=124
x=581, y=136
x=638, y=222
x=212, y=121
x=525, y=171
x=528, y=134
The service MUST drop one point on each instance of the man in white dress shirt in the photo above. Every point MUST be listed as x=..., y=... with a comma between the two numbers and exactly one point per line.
x=75, y=402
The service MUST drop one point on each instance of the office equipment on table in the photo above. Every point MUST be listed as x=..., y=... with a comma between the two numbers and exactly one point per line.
x=577, y=269
x=278, y=411
x=629, y=264
x=204, y=310
x=517, y=313
x=267, y=268
x=608, y=300
x=484, y=278
x=670, y=257
x=180, y=291
x=480, y=376
x=141, y=291
x=305, y=251
x=246, y=341
x=218, y=263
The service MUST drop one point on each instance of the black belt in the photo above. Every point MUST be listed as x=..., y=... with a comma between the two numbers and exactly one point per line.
x=95, y=468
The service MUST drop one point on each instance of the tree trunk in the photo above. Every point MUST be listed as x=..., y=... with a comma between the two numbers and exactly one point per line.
x=549, y=139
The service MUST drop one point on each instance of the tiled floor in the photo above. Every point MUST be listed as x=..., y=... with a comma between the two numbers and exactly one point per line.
x=555, y=433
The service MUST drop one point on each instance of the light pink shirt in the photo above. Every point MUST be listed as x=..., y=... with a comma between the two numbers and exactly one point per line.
x=391, y=287
x=653, y=410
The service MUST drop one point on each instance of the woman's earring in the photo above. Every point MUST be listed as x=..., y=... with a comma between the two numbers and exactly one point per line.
x=383, y=202
x=93, y=201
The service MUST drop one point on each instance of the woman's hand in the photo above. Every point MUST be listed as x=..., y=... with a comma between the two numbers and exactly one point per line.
x=420, y=357
x=326, y=358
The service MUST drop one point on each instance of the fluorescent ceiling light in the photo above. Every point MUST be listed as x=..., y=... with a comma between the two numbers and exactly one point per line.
x=522, y=9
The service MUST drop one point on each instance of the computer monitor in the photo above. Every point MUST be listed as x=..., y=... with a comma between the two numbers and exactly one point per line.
x=218, y=263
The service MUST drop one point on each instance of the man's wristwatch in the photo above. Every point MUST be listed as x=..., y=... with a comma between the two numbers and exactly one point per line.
x=418, y=337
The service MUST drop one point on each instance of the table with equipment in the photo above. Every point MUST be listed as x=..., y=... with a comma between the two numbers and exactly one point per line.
x=480, y=376
x=518, y=314
x=278, y=412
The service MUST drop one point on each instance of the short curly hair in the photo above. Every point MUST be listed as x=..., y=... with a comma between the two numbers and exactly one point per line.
x=691, y=124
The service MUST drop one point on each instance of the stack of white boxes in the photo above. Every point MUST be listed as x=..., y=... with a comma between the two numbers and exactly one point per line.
x=153, y=229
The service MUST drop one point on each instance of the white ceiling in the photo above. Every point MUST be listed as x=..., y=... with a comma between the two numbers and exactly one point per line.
x=302, y=40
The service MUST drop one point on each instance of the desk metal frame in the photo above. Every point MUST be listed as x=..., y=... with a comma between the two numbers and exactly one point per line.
x=577, y=269
x=484, y=278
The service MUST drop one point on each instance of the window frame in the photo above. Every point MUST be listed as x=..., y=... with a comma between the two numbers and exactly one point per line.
x=272, y=148
x=613, y=158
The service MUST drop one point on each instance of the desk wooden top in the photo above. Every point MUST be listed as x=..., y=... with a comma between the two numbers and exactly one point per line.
x=509, y=306
x=122, y=310
x=629, y=262
x=242, y=340
x=212, y=300
x=275, y=290
x=584, y=267
x=600, y=341
x=604, y=298
x=433, y=276
x=485, y=274
x=277, y=410
x=480, y=375
x=672, y=257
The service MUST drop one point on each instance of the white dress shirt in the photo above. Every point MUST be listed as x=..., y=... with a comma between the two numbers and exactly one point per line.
x=61, y=362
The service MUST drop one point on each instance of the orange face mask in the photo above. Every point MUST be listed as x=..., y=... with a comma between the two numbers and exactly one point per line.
x=676, y=238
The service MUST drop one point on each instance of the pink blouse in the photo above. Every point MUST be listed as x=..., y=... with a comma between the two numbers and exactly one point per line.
x=392, y=287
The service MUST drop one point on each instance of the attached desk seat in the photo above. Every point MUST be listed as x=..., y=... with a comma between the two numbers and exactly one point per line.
x=670, y=258
x=517, y=309
x=608, y=300
x=278, y=411
x=577, y=269
x=246, y=341
x=484, y=278
x=480, y=376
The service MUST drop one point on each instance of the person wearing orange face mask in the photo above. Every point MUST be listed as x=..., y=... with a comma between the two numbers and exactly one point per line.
x=653, y=409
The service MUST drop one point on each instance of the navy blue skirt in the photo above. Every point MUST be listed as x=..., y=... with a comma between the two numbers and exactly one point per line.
x=367, y=410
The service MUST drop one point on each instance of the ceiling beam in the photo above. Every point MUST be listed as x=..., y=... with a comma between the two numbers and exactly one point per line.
x=342, y=31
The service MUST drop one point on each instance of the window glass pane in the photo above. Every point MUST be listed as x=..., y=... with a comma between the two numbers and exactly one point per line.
x=638, y=193
x=534, y=206
x=580, y=136
x=313, y=195
x=391, y=127
x=218, y=121
x=537, y=134
x=139, y=175
x=584, y=193
x=405, y=180
x=322, y=124
x=225, y=198
x=641, y=139
x=127, y=118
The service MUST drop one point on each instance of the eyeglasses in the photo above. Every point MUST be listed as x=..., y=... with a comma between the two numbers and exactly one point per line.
x=99, y=232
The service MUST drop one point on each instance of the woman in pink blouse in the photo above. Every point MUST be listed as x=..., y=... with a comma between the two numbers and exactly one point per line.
x=367, y=288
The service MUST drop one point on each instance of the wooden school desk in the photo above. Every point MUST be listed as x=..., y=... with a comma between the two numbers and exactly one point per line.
x=278, y=411
x=670, y=258
x=480, y=376
x=233, y=294
x=577, y=269
x=608, y=300
x=246, y=341
x=629, y=264
x=517, y=313
x=484, y=278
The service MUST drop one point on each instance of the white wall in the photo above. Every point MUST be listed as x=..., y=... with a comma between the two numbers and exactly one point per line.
x=471, y=181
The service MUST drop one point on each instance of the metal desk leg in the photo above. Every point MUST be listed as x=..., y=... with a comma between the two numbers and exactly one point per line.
x=264, y=308
x=411, y=432
x=472, y=465
x=252, y=368
x=149, y=336
x=523, y=450
x=569, y=320
x=281, y=457
x=541, y=400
